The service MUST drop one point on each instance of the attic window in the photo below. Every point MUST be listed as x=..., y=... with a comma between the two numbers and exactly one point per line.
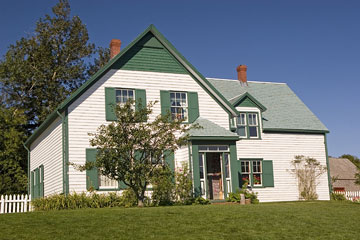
x=247, y=125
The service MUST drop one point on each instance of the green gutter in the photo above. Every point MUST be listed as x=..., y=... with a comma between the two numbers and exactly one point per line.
x=328, y=165
x=65, y=152
x=285, y=130
x=233, y=138
x=28, y=166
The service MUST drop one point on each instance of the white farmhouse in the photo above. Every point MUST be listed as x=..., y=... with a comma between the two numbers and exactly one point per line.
x=251, y=130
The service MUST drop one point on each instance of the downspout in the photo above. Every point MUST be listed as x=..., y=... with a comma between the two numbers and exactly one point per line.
x=328, y=165
x=28, y=166
x=63, y=151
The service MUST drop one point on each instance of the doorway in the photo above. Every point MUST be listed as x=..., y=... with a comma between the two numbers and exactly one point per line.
x=214, y=176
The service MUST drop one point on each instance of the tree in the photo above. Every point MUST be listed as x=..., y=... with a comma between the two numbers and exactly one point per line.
x=307, y=170
x=42, y=69
x=12, y=176
x=36, y=74
x=132, y=148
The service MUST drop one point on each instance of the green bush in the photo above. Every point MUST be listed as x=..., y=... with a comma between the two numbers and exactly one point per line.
x=201, y=201
x=235, y=197
x=338, y=197
x=82, y=200
x=183, y=189
x=163, y=187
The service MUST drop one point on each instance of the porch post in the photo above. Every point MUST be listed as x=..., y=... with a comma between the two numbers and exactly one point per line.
x=196, y=171
x=235, y=168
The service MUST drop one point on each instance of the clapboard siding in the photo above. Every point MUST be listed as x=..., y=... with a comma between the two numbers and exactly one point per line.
x=87, y=113
x=47, y=150
x=281, y=149
x=181, y=157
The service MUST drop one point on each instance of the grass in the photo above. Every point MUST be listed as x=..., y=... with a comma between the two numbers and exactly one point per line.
x=291, y=220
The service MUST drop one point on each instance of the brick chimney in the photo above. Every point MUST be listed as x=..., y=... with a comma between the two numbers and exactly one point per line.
x=241, y=70
x=114, y=47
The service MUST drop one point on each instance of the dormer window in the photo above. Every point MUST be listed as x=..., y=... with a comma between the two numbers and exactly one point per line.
x=247, y=125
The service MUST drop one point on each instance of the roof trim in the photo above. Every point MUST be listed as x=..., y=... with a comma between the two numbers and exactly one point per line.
x=218, y=138
x=284, y=130
x=168, y=46
x=248, y=95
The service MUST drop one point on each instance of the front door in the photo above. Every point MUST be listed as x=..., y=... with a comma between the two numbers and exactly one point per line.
x=214, y=176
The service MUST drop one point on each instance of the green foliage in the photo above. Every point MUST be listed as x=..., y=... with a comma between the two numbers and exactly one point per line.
x=338, y=197
x=163, y=187
x=183, y=188
x=132, y=148
x=201, y=201
x=12, y=153
x=307, y=170
x=83, y=200
x=236, y=196
x=53, y=59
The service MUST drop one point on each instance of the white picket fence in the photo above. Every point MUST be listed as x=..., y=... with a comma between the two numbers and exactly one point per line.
x=350, y=195
x=15, y=203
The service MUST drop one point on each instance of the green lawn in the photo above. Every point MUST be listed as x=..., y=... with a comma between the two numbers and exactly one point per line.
x=295, y=220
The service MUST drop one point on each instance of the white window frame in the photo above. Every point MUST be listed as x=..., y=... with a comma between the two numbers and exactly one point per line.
x=247, y=172
x=185, y=107
x=107, y=183
x=122, y=97
x=242, y=124
x=252, y=124
x=257, y=172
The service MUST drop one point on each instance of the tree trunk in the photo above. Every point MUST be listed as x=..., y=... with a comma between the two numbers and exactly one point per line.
x=141, y=203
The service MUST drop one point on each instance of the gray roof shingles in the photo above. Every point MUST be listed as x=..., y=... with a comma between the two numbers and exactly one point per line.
x=210, y=129
x=284, y=109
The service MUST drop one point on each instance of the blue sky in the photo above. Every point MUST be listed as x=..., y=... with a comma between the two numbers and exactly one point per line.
x=313, y=46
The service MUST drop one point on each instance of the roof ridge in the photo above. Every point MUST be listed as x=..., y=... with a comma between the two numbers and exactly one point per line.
x=225, y=79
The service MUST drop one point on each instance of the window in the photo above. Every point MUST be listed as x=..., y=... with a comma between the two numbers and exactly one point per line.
x=106, y=182
x=179, y=106
x=241, y=125
x=248, y=125
x=253, y=125
x=123, y=95
x=251, y=171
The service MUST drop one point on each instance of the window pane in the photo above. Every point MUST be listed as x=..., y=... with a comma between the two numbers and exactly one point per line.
x=183, y=96
x=177, y=95
x=203, y=148
x=201, y=165
x=227, y=165
x=223, y=148
x=257, y=179
x=131, y=94
x=245, y=177
x=172, y=96
x=213, y=148
x=253, y=131
x=241, y=131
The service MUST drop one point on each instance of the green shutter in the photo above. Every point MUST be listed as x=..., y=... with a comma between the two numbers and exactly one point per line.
x=170, y=159
x=37, y=183
x=238, y=167
x=92, y=174
x=165, y=102
x=193, y=106
x=110, y=103
x=32, y=184
x=140, y=95
x=268, y=173
x=41, y=185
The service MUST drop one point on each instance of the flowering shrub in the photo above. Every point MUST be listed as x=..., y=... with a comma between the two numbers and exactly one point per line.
x=183, y=189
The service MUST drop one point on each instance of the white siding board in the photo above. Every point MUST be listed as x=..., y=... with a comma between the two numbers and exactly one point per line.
x=47, y=150
x=281, y=149
x=87, y=113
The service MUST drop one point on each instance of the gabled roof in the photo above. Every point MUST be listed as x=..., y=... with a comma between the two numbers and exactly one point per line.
x=237, y=101
x=210, y=130
x=285, y=111
x=191, y=70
